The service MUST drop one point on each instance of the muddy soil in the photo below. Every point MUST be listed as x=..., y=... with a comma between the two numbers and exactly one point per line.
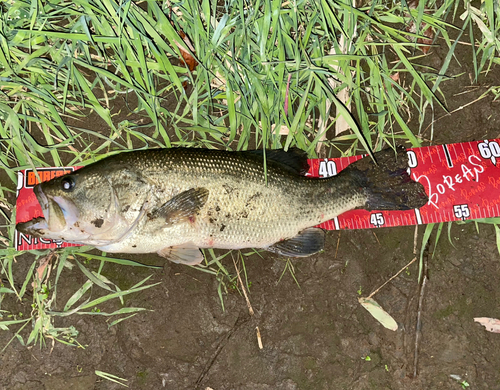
x=315, y=335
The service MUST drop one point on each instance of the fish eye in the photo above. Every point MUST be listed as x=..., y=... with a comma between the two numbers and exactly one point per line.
x=68, y=183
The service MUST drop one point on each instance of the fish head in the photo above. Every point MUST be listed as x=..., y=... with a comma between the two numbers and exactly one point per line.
x=80, y=207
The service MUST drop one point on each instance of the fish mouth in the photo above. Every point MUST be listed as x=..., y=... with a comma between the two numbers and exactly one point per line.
x=37, y=227
x=58, y=214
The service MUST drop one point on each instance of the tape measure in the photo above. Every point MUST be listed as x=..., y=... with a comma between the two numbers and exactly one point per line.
x=462, y=181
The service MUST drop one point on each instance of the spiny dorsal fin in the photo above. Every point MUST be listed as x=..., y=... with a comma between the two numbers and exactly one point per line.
x=294, y=160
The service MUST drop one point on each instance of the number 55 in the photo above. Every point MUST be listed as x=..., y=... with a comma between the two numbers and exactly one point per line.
x=461, y=211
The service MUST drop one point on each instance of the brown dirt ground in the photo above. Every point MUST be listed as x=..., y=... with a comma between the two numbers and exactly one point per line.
x=315, y=337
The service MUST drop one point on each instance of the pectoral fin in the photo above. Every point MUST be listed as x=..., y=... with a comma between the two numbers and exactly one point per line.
x=187, y=253
x=306, y=243
x=182, y=207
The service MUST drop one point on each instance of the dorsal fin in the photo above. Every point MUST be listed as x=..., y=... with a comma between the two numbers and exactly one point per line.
x=293, y=160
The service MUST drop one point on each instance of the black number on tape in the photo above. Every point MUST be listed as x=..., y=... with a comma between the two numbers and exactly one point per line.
x=489, y=150
x=377, y=219
x=461, y=211
x=327, y=168
x=412, y=159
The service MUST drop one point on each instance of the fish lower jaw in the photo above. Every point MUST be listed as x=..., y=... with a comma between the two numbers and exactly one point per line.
x=37, y=227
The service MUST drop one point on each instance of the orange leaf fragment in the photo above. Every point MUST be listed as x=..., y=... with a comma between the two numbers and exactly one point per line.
x=187, y=59
x=395, y=77
x=44, y=263
x=429, y=34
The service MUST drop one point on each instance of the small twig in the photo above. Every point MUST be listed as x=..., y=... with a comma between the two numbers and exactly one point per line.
x=418, y=332
x=376, y=238
x=259, y=339
x=239, y=322
x=455, y=110
x=250, y=308
x=392, y=277
x=418, y=326
x=475, y=88
x=338, y=243
x=415, y=237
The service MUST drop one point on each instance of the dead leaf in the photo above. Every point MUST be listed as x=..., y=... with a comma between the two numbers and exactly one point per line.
x=491, y=324
x=187, y=59
x=429, y=34
x=343, y=96
x=395, y=77
x=378, y=313
x=286, y=93
x=283, y=130
x=424, y=30
x=44, y=263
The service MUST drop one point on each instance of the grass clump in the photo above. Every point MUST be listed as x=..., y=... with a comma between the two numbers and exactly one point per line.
x=268, y=74
x=86, y=300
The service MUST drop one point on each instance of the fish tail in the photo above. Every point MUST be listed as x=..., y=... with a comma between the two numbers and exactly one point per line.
x=386, y=183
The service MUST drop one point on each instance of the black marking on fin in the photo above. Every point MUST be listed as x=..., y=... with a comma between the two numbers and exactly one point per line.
x=306, y=243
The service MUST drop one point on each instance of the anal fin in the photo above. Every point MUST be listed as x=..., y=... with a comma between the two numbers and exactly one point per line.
x=187, y=253
x=306, y=243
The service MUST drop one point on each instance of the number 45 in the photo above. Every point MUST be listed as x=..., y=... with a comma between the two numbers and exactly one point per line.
x=377, y=219
x=461, y=211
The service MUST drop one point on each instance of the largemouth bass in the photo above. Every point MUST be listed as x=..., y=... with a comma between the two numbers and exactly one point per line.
x=175, y=201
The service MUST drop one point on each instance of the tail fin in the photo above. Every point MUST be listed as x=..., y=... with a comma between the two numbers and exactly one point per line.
x=387, y=184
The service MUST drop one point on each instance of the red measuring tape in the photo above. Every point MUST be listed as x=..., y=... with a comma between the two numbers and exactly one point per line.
x=462, y=181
